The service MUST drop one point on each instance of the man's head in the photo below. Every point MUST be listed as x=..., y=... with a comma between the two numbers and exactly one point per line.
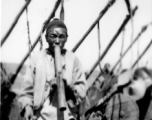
x=56, y=34
x=106, y=68
x=141, y=80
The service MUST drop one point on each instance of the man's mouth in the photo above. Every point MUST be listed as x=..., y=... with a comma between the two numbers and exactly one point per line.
x=131, y=91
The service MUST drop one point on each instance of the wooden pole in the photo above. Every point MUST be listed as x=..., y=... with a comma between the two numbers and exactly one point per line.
x=60, y=83
x=110, y=3
x=148, y=46
x=142, y=31
x=111, y=42
x=14, y=23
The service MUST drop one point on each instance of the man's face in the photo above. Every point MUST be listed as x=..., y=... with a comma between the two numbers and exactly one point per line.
x=56, y=36
x=140, y=83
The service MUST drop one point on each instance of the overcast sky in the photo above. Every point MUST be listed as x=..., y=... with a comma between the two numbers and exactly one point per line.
x=79, y=15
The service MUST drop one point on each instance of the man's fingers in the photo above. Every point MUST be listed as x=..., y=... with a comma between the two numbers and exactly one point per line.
x=54, y=83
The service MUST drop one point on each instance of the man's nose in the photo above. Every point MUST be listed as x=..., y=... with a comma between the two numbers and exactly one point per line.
x=57, y=42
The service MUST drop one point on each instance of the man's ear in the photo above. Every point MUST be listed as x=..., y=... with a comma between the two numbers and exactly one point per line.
x=147, y=79
x=148, y=82
x=45, y=36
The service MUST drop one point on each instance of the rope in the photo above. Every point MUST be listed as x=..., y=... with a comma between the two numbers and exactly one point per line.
x=138, y=52
x=148, y=46
x=98, y=31
x=132, y=34
x=149, y=57
x=62, y=11
x=143, y=29
x=129, y=7
x=149, y=50
x=41, y=39
x=28, y=30
x=122, y=45
x=111, y=42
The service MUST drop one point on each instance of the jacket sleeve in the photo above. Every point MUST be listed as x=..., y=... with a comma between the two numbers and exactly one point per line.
x=79, y=81
x=26, y=94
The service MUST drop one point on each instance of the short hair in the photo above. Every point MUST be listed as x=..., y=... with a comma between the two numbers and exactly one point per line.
x=138, y=72
x=55, y=23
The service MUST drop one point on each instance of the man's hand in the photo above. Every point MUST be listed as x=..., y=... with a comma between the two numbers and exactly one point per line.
x=28, y=113
x=53, y=83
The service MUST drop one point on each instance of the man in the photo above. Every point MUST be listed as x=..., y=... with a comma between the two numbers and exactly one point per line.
x=38, y=98
x=141, y=91
x=99, y=82
x=106, y=68
x=115, y=105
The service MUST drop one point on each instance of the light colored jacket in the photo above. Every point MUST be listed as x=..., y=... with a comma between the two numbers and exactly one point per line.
x=41, y=70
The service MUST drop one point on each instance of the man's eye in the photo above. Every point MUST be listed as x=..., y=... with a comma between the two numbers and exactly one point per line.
x=53, y=36
x=135, y=78
x=62, y=36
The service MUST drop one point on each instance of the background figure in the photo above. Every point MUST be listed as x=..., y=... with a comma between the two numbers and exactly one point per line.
x=99, y=82
x=106, y=68
x=38, y=96
x=115, y=104
x=141, y=91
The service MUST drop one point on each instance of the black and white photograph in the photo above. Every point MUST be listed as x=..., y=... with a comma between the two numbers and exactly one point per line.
x=76, y=60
